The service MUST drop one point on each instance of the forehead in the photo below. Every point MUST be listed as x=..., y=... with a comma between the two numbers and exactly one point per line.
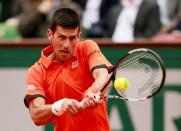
x=66, y=31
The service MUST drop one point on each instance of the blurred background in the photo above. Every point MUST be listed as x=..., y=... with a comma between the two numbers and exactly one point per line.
x=117, y=26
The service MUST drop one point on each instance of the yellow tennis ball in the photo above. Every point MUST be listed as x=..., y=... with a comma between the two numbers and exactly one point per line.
x=121, y=84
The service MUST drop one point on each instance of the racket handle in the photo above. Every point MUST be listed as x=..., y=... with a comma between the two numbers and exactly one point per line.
x=97, y=96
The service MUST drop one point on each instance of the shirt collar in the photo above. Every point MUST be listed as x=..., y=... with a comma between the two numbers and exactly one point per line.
x=44, y=60
x=49, y=49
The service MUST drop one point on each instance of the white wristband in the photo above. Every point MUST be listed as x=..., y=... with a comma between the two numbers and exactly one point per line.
x=57, y=107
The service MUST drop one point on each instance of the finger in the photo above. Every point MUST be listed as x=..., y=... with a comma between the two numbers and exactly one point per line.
x=85, y=103
x=98, y=98
x=91, y=102
x=73, y=107
x=89, y=94
x=82, y=103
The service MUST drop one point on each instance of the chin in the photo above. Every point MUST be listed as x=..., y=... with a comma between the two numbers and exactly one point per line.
x=64, y=58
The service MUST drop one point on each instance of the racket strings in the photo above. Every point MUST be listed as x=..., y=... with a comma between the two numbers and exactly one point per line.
x=143, y=71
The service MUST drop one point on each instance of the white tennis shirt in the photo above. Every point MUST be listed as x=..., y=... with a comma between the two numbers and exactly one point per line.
x=125, y=23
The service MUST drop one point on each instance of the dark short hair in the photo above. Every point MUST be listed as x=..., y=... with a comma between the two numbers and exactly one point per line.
x=66, y=18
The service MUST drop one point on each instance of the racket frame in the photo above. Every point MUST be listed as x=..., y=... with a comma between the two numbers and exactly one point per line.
x=114, y=69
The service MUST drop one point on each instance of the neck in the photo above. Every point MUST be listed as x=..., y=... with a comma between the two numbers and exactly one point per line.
x=51, y=57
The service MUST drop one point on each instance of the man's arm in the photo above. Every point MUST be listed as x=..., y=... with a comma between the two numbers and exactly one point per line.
x=101, y=77
x=42, y=113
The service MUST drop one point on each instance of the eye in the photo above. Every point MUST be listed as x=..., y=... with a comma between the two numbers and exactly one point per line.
x=72, y=38
x=62, y=37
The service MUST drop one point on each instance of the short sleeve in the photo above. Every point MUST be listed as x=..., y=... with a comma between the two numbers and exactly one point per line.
x=35, y=83
x=95, y=57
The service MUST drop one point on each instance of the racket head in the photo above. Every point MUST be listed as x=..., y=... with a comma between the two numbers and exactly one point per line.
x=145, y=71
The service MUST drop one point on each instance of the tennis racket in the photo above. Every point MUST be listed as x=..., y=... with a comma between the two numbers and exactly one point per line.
x=145, y=71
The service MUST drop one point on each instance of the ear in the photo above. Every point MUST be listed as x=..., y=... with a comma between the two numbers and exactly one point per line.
x=49, y=34
x=79, y=34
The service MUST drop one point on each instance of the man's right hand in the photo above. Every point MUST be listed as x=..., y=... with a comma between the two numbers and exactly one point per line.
x=70, y=106
x=91, y=99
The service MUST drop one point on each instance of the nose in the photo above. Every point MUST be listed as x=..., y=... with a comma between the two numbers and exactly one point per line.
x=66, y=43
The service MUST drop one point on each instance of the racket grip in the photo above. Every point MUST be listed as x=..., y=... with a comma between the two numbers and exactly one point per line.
x=97, y=96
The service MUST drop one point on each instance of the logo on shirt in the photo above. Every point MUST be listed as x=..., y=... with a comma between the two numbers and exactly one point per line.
x=31, y=87
x=74, y=64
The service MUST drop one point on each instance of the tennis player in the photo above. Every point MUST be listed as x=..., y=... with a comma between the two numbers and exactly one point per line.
x=69, y=71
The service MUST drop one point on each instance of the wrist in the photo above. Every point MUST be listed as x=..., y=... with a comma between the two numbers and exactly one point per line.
x=57, y=107
x=93, y=90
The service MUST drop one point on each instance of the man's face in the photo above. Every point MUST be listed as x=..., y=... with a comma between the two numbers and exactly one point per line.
x=64, y=41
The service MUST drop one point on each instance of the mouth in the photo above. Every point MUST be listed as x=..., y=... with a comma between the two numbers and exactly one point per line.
x=64, y=55
x=64, y=52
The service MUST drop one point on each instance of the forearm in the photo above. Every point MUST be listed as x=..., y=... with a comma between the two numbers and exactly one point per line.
x=41, y=113
x=101, y=77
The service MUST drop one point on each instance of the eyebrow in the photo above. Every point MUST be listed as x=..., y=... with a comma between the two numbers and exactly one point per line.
x=65, y=35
